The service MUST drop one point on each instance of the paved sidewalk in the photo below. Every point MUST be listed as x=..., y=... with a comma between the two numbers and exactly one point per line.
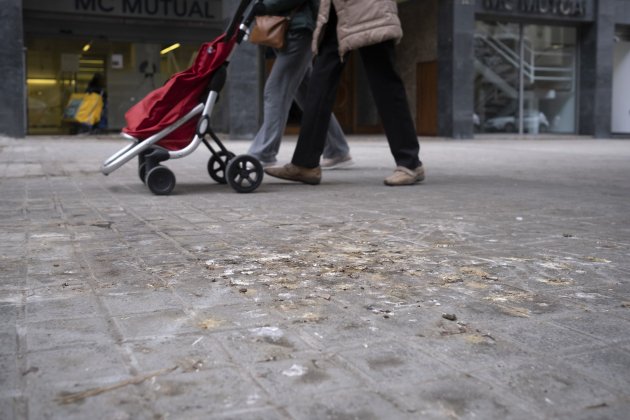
x=499, y=289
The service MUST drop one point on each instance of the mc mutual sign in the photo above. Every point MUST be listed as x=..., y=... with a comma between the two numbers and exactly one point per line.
x=550, y=8
x=152, y=9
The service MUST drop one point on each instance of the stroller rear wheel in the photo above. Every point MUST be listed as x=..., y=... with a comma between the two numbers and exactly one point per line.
x=160, y=180
x=244, y=173
x=217, y=165
x=142, y=172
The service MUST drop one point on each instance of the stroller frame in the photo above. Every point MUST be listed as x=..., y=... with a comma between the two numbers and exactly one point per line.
x=243, y=173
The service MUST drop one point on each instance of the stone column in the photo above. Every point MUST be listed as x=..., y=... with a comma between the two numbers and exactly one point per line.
x=12, y=70
x=456, y=29
x=596, y=71
x=240, y=106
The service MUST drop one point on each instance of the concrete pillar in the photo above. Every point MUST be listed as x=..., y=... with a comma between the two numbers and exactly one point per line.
x=12, y=70
x=456, y=29
x=596, y=70
x=240, y=109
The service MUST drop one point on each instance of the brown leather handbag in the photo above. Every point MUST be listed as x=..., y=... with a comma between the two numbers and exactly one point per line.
x=271, y=30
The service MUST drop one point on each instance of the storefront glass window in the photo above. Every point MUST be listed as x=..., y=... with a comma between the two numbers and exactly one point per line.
x=525, y=78
x=57, y=68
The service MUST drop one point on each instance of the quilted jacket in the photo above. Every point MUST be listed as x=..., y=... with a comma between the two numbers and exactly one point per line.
x=360, y=23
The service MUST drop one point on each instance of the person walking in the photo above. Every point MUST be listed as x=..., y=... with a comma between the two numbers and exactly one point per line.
x=372, y=27
x=288, y=81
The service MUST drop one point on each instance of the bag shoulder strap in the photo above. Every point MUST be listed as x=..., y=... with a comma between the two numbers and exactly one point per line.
x=297, y=9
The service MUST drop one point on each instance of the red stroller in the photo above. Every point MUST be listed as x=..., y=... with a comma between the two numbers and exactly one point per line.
x=172, y=121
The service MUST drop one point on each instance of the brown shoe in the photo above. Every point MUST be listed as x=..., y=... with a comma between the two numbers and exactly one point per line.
x=292, y=172
x=405, y=176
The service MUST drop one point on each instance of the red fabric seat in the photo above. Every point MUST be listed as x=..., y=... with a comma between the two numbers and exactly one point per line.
x=180, y=94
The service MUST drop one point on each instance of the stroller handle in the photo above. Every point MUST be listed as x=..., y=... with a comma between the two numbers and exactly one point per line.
x=237, y=19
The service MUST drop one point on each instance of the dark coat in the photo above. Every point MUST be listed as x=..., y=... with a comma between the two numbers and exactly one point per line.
x=303, y=18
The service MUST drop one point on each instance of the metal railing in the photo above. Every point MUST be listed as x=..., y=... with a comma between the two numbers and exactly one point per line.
x=533, y=70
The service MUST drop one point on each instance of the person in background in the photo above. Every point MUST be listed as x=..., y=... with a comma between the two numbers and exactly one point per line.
x=288, y=81
x=372, y=27
x=97, y=85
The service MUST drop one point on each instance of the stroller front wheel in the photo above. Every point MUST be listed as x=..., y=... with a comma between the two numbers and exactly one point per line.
x=244, y=173
x=160, y=180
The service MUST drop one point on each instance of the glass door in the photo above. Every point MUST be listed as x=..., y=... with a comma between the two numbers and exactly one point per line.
x=497, y=64
x=525, y=78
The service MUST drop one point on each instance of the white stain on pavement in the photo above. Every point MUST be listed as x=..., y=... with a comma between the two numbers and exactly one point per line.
x=272, y=333
x=295, y=370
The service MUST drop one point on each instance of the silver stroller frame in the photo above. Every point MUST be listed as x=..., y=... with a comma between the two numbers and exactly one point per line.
x=243, y=173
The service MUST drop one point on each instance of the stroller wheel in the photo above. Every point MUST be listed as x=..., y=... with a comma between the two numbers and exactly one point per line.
x=142, y=172
x=217, y=166
x=244, y=173
x=160, y=180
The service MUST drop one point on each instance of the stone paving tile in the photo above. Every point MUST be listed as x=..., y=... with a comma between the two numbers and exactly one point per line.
x=224, y=390
x=7, y=403
x=555, y=389
x=9, y=310
x=233, y=316
x=9, y=375
x=470, y=350
x=390, y=363
x=126, y=402
x=617, y=409
x=165, y=322
x=342, y=330
x=98, y=362
x=461, y=397
x=600, y=299
x=66, y=333
x=469, y=296
x=8, y=343
x=50, y=286
x=253, y=414
x=189, y=352
x=609, y=326
x=261, y=344
x=545, y=338
x=303, y=377
x=609, y=365
x=40, y=309
x=202, y=293
x=120, y=304
x=349, y=404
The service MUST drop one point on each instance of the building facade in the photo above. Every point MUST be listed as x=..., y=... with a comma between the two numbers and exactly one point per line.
x=531, y=66
x=55, y=48
x=469, y=66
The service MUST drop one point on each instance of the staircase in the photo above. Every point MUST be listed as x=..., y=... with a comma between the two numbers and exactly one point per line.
x=497, y=67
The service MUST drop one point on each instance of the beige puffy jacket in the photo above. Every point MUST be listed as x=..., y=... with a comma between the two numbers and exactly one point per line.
x=360, y=23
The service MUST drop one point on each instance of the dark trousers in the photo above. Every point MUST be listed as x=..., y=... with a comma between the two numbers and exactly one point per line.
x=386, y=86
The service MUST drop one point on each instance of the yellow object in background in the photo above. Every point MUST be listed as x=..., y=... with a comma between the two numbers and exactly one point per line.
x=84, y=108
